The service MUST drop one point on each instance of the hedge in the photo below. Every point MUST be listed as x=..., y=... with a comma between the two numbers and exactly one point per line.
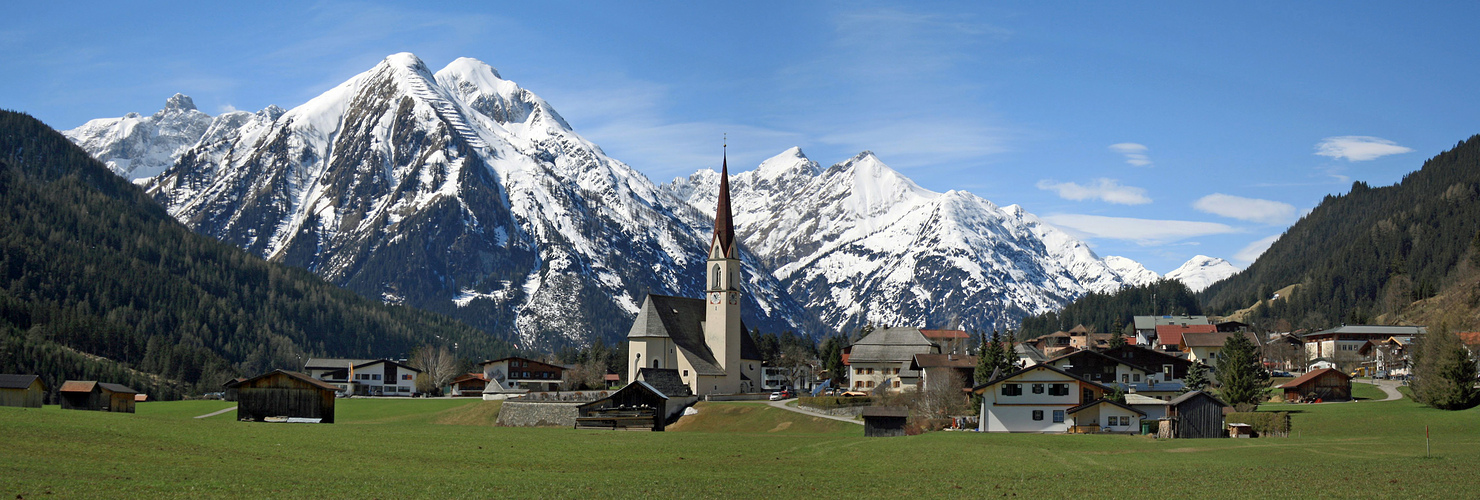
x=1267, y=424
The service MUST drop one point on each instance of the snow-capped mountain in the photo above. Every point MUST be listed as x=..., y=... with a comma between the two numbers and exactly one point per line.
x=860, y=242
x=458, y=192
x=139, y=147
x=1202, y=271
x=1133, y=272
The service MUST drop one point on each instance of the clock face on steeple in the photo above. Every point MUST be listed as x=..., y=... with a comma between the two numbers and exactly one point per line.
x=714, y=298
x=734, y=298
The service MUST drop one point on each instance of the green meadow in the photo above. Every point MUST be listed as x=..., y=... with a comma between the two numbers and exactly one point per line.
x=450, y=448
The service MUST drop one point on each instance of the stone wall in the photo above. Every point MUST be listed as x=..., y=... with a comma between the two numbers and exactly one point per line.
x=522, y=414
x=852, y=411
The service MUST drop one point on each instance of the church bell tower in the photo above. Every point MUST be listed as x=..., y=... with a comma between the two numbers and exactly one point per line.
x=722, y=286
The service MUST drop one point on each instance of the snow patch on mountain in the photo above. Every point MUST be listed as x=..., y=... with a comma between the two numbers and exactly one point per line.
x=1134, y=273
x=139, y=147
x=1200, y=272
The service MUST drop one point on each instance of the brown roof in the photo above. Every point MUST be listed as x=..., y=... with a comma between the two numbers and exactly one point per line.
x=1213, y=339
x=469, y=376
x=78, y=386
x=321, y=384
x=612, y=377
x=885, y=411
x=942, y=360
x=1469, y=338
x=1312, y=375
x=944, y=334
x=1172, y=334
x=141, y=397
x=1080, y=329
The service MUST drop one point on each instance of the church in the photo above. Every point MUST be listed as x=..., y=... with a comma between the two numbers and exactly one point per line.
x=702, y=339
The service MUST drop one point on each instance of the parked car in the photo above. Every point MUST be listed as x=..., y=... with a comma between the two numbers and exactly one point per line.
x=1278, y=373
x=776, y=396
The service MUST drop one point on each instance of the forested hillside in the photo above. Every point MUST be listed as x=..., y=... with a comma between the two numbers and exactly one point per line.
x=1102, y=312
x=98, y=282
x=1370, y=252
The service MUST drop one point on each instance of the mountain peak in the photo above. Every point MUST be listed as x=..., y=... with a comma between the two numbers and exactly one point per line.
x=468, y=65
x=179, y=102
x=788, y=163
x=1201, y=271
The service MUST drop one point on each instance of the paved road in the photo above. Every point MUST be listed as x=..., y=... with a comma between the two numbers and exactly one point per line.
x=1390, y=387
x=214, y=413
x=804, y=411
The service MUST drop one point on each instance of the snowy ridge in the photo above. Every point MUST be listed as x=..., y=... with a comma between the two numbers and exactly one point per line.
x=139, y=147
x=1200, y=272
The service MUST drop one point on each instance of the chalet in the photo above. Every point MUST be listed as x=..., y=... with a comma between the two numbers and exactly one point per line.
x=1079, y=337
x=22, y=390
x=1169, y=337
x=468, y=384
x=1341, y=344
x=884, y=421
x=365, y=377
x=1325, y=384
x=98, y=396
x=1104, y=415
x=882, y=359
x=656, y=397
x=1204, y=347
x=515, y=373
x=1196, y=414
x=944, y=370
x=1392, y=355
x=1134, y=369
x=281, y=393
x=1034, y=399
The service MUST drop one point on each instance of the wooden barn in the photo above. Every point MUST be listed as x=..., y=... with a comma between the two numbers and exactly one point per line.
x=1197, y=414
x=1326, y=384
x=98, y=396
x=228, y=389
x=648, y=403
x=22, y=390
x=281, y=393
x=884, y=421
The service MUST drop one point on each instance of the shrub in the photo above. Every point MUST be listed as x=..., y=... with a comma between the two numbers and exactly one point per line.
x=832, y=402
x=1266, y=424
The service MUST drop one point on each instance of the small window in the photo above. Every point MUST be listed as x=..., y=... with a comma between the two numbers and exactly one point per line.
x=1136, y=377
x=1012, y=390
x=1037, y=414
x=1125, y=378
x=375, y=377
x=1058, y=390
x=1037, y=388
x=896, y=384
x=1125, y=420
x=685, y=373
x=870, y=383
x=1058, y=416
x=1110, y=421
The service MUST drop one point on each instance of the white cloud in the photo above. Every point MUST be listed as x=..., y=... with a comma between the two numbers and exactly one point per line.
x=1145, y=232
x=226, y=108
x=1135, y=154
x=1248, y=209
x=1254, y=250
x=920, y=142
x=1107, y=190
x=1358, y=147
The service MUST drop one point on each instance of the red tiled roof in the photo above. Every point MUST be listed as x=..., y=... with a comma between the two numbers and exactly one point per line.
x=944, y=334
x=1469, y=338
x=612, y=377
x=1172, y=334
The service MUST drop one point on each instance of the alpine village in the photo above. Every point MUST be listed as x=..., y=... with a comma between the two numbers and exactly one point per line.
x=430, y=277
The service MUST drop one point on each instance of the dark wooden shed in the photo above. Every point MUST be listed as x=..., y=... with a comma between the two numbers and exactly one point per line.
x=229, y=389
x=281, y=393
x=1326, y=384
x=1197, y=414
x=638, y=406
x=884, y=421
x=22, y=390
x=98, y=396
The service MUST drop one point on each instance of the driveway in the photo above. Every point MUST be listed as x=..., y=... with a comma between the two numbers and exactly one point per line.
x=782, y=405
x=1388, y=386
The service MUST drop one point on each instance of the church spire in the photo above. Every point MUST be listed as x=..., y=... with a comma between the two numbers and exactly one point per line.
x=724, y=225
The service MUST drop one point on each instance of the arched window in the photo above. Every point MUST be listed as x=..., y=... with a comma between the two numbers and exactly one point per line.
x=716, y=278
x=657, y=364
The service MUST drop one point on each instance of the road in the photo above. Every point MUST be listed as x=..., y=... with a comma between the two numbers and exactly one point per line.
x=1388, y=386
x=782, y=405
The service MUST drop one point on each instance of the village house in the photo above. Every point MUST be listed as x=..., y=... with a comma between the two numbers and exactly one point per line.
x=467, y=384
x=1105, y=416
x=1144, y=328
x=1169, y=337
x=522, y=374
x=364, y=377
x=703, y=338
x=1133, y=369
x=882, y=359
x=655, y=397
x=1390, y=357
x=25, y=391
x=1342, y=346
x=1034, y=399
x=944, y=371
x=1204, y=347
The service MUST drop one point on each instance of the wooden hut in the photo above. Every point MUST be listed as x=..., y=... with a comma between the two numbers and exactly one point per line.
x=884, y=421
x=281, y=393
x=648, y=403
x=98, y=396
x=22, y=390
x=229, y=389
x=1326, y=384
x=1197, y=414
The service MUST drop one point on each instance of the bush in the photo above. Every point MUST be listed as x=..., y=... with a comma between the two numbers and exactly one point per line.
x=1266, y=424
x=832, y=402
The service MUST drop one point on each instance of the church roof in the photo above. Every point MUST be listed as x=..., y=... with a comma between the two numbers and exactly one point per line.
x=682, y=319
x=724, y=224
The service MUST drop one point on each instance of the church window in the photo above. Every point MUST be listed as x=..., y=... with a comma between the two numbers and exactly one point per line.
x=716, y=277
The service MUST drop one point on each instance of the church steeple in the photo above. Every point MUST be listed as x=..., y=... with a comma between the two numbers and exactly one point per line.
x=724, y=225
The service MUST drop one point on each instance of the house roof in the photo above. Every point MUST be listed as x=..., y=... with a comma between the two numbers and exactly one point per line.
x=664, y=381
x=1172, y=334
x=922, y=361
x=1371, y=330
x=19, y=381
x=312, y=381
x=332, y=363
x=386, y=361
x=78, y=386
x=1029, y=352
x=611, y=377
x=1137, y=399
x=1213, y=339
x=1098, y=402
x=891, y=345
x=1020, y=371
x=1151, y=322
x=538, y=362
x=469, y=376
x=121, y=389
x=944, y=334
x=885, y=411
x=681, y=319
x=1468, y=338
x=1187, y=397
x=1312, y=375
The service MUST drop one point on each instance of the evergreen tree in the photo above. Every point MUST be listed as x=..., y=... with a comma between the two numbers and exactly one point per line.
x=1117, y=340
x=1118, y=395
x=1241, y=375
x=1197, y=378
x=986, y=359
x=1443, y=372
x=1005, y=359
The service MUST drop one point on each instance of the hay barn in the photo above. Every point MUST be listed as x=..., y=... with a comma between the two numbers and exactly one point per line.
x=97, y=396
x=1326, y=384
x=1197, y=414
x=22, y=390
x=884, y=421
x=281, y=393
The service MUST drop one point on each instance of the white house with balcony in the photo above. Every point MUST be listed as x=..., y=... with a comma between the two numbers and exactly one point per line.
x=1034, y=399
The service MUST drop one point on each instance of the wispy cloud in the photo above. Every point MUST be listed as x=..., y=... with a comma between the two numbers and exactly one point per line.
x=1358, y=147
x=1254, y=250
x=920, y=142
x=1135, y=154
x=1247, y=209
x=1145, y=232
x=1107, y=190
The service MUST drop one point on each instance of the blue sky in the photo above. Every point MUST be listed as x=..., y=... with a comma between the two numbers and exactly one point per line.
x=1156, y=131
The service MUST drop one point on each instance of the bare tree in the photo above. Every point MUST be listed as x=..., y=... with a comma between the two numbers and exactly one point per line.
x=438, y=368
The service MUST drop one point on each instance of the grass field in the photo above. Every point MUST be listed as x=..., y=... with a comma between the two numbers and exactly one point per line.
x=416, y=448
